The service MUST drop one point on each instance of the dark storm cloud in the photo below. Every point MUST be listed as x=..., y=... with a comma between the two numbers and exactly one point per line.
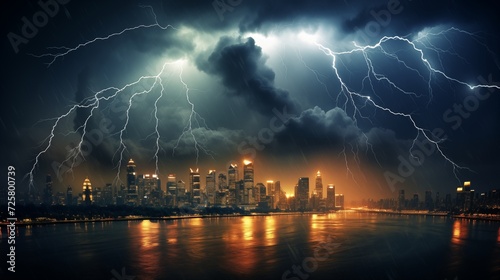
x=242, y=68
x=316, y=131
x=403, y=17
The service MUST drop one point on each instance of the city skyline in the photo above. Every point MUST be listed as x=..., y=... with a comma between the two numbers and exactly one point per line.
x=371, y=93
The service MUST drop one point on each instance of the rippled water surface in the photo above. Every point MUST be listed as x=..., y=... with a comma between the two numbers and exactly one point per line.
x=332, y=246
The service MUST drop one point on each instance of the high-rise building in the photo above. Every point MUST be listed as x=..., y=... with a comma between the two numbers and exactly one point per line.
x=232, y=178
x=69, y=196
x=319, y=185
x=465, y=197
x=210, y=186
x=330, y=197
x=248, y=180
x=107, y=194
x=149, y=190
x=270, y=193
x=87, y=192
x=339, y=201
x=194, y=186
x=401, y=200
x=222, y=183
x=429, y=205
x=277, y=193
x=47, y=192
x=262, y=192
x=302, y=194
x=132, y=189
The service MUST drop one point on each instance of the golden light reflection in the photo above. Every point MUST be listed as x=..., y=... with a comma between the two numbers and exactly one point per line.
x=460, y=232
x=270, y=228
x=247, y=228
x=148, y=246
x=498, y=236
x=149, y=232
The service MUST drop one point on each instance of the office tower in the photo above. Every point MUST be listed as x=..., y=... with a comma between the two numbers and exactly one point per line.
x=339, y=201
x=465, y=197
x=330, y=197
x=87, y=192
x=429, y=205
x=277, y=193
x=47, y=192
x=107, y=194
x=149, y=189
x=319, y=185
x=270, y=193
x=69, y=196
x=248, y=180
x=194, y=186
x=401, y=200
x=222, y=183
x=415, y=201
x=210, y=186
x=262, y=192
x=171, y=185
x=232, y=178
x=181, y=193
x=132, y=190
x=302, y=193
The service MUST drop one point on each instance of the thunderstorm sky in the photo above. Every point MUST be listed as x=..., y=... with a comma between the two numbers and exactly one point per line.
x=262, y=85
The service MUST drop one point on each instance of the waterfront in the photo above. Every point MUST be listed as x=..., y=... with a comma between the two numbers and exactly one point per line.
x=342, y=245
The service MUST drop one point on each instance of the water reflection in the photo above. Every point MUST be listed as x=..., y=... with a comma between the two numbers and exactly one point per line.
x=460, y=232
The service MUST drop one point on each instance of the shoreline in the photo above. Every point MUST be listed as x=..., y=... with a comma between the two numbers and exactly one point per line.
x=169, y=218
x=430, y=214
x=142, y=218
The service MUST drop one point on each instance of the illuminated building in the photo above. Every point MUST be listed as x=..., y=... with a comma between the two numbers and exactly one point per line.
x=132, y=190
x=302, y=194
x=171, y=190
x=330, y=197
x=181, y=193
x=194, y=186
x=232, y=178
x=319, y=185
x=149, y=190
x=222, y=183
x=339, y=201
x=210, y=186
x=270, y=193
x=465, y=197
x=248, y=181
x=87, y=192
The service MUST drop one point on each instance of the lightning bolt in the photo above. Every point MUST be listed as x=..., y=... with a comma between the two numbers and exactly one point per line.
x=94, y=103
x=62, y=51
x=352, y=96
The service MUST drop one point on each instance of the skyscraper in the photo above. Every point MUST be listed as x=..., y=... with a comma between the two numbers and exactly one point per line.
x=149, y=189
x=232, y=178
x=330, y=197
x=210, y=186
x=87, y=192
x=302, y=193
x=132, y=190
x=319, y=185
x=69, y=196
x=47, y=192
x=194, y=185
x=248, y=179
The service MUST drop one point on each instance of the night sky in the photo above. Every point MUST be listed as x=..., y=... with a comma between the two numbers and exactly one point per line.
x=261, y=88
